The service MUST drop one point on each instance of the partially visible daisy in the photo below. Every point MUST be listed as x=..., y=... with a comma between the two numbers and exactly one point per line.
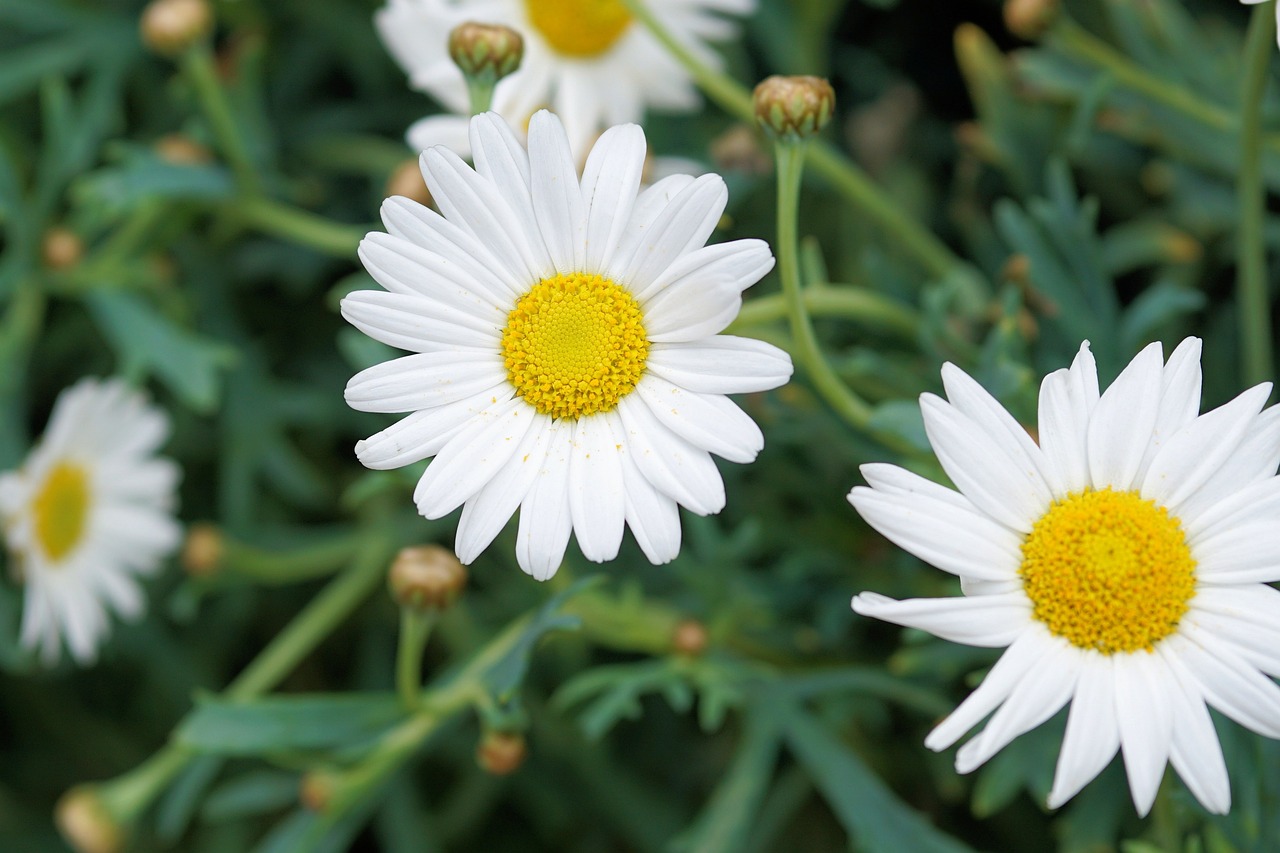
x=89, y=511
x=1124, y=561
x=1252, y=2
x=587, y=60
x=568, y=360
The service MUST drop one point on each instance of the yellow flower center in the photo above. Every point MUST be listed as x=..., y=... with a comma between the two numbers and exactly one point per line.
x=60, y=509
x=574, y=345
x=1109, y=571
x=579, y=28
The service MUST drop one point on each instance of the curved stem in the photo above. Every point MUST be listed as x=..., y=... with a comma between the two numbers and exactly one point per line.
x=415, y=629
x=304, y=563
x=847, y=404
x=846, y=303
x=299, y=226
x=199, y=67
x=1251, y=282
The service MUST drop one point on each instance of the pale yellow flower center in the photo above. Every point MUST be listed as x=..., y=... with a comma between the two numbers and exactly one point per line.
x=1109, y=571
x=60, y=509
x=575, y=345
x=579, y=28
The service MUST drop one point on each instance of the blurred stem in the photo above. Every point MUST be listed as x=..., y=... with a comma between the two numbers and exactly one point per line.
x=848, y=405
x=846, y=303
x=930, y=252
x=415, y=630
x=1251, y=283
x=480, y=90
x=198, y=65
x=299, y=226
x=298, y=564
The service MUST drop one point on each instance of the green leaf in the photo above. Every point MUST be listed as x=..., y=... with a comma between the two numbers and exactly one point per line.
x=505, y=675
x=142, y=176
x=285, y=723
x=253, y=793
x=146, y=341
x=874, y=817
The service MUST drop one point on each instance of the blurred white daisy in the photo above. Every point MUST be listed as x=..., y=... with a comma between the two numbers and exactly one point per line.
x=1252, y=2
x=1124, y=561
x=587, y=60
x=567, y=357
x=90, y=509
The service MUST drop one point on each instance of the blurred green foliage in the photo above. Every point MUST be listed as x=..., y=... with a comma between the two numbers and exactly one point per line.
x=1087, y=183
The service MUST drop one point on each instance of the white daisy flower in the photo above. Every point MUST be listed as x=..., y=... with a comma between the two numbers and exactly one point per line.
x=1124, y=561
x=587, y=60
x=567, y=357
x=1251, y=2
x=89, y=511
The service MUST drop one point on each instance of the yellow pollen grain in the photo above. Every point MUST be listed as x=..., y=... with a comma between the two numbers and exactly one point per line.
x=60, y=509
x=579, y=28
x=575, y=345
x=1109, y=571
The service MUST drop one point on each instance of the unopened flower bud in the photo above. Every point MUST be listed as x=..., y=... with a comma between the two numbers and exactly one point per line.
x=501, y=753
x=1029, y=19
x=488, y=51
x=427, y=578
x=203, y=550
x=61, y=248
x=407, y=181
x=689, y=638
x=315, y=791
x=85, y=823
x=794, y=107
x=738, y=149
x=181, y=150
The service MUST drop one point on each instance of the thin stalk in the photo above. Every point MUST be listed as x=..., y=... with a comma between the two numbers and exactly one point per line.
x=299, y=226
x=480, y=90
x=850, y=181
x=846, y=303
x=415, y=630
x=198, y=65
x=1251, y=282
x=848, y=405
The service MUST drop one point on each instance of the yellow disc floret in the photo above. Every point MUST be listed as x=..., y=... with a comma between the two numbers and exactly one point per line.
x=60, y=510
x=1109, y=571
x=574, y=345
x=579, y=28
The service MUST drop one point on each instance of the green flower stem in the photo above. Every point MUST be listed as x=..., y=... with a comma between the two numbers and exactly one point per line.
x=480, y=89
x=299, y=226
x=415, y=630
x=198, y=65
x=848, y=405
x=846, y=303
x=930, y=252
x=299, y=564
x=1251, y=282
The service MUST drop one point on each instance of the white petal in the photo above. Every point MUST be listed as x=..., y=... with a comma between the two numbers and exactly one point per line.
x=1179, y=399
x=1244, y=553
x=1195, y=752
x=1254, y=460
x=1146, y=723
x=1093, y=733
x=1227, y=682
x=596, y=499
x=680, y=227
x=472, y=458
x=1026, y=653
x=422, y=381
x=557, y=198
x=711, y=422
x=419, y=324
x=610, y=183
x=1067, y=399
x=674, y=466
x=733, y=266
x=973, y=400
x=502, y=161
x=1120, y=429
x=422, y=434
x=427, y=255
x=957, y=540
x=1247, y=618
x=485, y=514
x=979, y=465
x=653, y=517
x=892, y=479
x=989, y=621
x=545, y=521
x=1194, y=453
x=1256, y=502
x=721, y=365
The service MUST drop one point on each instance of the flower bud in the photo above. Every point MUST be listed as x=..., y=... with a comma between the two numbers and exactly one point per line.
x=1028, y=19
x=689, y=638
x=61, y=248
x=794, y=107
x=487, y=51
x=739, y=149
x=181, y=150
x=407, y=181
x=203, y=550
x=316, y=790
x=426, y=578
x=171, y=26
x=501, y=753
x=85, y=823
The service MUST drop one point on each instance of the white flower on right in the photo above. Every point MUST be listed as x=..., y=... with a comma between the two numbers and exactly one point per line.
x=90, y=510
x=588, y=61
x=1123, y=561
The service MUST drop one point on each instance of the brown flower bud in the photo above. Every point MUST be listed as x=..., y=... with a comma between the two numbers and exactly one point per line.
x=738, y=149
x=315, y=791
x=487, y=51
x=1017, y=269
x=501, y=753
x=794, y=107
x=1029, y=19
x=61, y=248
x=171, y=26
x=85, y=823
x=427, y=578
x=689, y=638
x=407, y=181
x=181, y=150
x=203, y=550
